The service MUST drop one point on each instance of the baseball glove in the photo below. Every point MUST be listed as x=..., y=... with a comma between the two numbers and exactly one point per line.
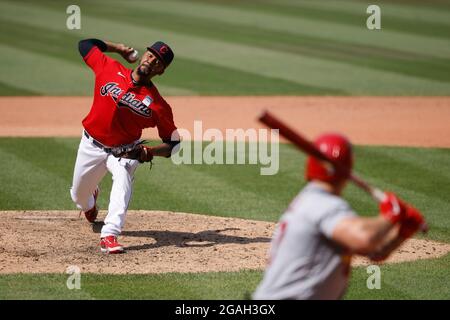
x=135, y=151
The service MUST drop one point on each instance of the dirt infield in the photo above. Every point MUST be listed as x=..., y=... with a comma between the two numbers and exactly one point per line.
x=156, y=242
x=402, y=121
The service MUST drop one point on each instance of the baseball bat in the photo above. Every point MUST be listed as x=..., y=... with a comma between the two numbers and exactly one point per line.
x=306, y=146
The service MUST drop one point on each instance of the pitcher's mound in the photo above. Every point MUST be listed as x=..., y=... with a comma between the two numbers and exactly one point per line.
x=156, y=242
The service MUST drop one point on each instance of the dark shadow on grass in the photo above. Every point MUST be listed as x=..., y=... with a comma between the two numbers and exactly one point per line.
x=183, y=239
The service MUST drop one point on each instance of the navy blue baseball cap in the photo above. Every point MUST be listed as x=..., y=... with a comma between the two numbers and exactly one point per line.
x=162, y=51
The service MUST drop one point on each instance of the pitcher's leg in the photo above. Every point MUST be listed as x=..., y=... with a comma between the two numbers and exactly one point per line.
x=90, y=168
x=123, y=175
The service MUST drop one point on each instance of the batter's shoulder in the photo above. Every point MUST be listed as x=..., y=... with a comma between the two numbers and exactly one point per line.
x=316, y=202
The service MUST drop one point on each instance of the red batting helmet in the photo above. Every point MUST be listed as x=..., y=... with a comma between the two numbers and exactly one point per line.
x=337, y=148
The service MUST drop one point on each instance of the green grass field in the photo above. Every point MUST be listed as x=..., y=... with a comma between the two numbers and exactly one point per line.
x=418, y=280
x=419, y=175
x=230, y=47
x=223, y=47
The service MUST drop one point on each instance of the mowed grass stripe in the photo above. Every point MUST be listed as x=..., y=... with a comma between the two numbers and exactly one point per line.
x=423, y=12
x=427, y=17
x=239, y=181
x=44, y=74
x=204, y=189
x=308, y=47
x=56, y=44
x=372, y=57
x=434, y=162
x=358, y=17
x=256, y=15
x=61, y=44
x=315, y=72
x=26, y=184
x=52, y=57
x=210, y=79
x=211, y=285
x=137, y=34
x=187, y=77
x=424, y=279
x=430, y=174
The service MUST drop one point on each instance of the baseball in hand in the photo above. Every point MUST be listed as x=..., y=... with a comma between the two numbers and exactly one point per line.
x=133, y=56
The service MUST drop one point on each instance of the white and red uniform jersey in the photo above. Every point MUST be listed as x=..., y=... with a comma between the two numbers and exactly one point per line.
x=121, y=109
x=305, y=263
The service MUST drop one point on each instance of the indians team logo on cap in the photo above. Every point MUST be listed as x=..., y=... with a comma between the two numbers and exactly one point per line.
x=163, y=49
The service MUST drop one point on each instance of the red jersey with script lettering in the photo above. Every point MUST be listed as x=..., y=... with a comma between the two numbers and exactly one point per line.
x=122, y=109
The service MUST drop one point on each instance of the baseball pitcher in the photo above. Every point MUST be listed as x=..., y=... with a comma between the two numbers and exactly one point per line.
x=315, y=238
x=125, y=102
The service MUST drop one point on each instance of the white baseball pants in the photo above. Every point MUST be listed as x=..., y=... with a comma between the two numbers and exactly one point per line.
x=90, y=167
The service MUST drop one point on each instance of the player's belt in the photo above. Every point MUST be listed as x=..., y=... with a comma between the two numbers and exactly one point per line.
x=96, y=143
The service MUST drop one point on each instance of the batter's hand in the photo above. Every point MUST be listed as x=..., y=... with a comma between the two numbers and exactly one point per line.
x=411, y=223
x=392, y=208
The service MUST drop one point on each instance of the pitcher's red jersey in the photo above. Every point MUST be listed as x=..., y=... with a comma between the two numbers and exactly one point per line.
x=121, y=109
